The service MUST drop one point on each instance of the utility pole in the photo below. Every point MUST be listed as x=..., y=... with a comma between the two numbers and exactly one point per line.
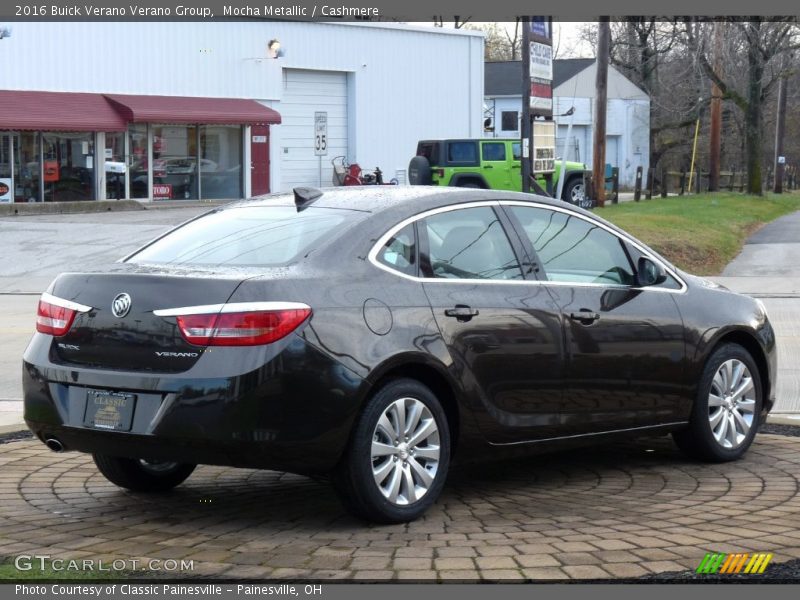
x=525, y=130
x=780, y=159
x=715, y=142
x=601, y=101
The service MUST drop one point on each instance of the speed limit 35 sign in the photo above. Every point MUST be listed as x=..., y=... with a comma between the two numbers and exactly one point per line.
x=320, y=133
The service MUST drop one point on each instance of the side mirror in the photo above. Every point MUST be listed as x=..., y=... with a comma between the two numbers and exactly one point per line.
x=649, y=273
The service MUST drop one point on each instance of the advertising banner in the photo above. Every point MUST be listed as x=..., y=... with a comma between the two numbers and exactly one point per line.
x=541, y=59
x=5, y=191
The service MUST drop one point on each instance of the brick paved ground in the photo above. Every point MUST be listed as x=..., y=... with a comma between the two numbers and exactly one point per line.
x=619, y=511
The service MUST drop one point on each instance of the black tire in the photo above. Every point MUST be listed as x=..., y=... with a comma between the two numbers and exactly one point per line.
x=470, y=184
x=697, y=440
x=138, y=476
x=419, y=171
x=573, y=191
x=354, y=480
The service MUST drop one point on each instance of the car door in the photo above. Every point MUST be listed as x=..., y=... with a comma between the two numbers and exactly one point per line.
x=495, y=166
x=503, y=334
x=625, y=345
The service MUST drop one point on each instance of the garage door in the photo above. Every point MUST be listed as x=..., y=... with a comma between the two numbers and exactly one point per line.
x=304, y=93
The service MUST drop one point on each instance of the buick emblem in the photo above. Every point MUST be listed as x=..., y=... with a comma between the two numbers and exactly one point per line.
x=121, y=305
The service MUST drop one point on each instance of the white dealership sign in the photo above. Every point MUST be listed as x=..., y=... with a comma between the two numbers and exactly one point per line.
x=541, y=59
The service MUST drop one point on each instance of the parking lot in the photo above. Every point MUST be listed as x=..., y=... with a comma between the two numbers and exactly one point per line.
x=621, y=511
x=626, y=510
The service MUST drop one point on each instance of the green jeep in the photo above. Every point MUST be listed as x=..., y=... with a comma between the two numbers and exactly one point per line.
x=489, y=163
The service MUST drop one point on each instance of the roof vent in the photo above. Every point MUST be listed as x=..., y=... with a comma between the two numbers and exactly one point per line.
x=305, y=196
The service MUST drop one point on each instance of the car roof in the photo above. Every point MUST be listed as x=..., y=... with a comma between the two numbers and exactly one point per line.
x=378, y=199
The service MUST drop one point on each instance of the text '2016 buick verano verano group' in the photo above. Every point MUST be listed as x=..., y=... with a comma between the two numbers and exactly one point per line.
x=377, y=334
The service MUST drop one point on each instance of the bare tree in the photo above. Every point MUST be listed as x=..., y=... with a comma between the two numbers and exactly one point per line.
x=458, y=23
x=500, y=43
x=762, y=43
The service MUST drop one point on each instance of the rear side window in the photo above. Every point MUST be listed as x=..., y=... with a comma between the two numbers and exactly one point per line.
x=400, y=251
x=493, y=151
x=429, y=150
x=265, y=236
x=462, y=152
x=469, y=243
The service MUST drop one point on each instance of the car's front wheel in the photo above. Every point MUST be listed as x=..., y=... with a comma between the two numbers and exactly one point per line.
x=141, y=475
x=397, y=461
x=725, y=416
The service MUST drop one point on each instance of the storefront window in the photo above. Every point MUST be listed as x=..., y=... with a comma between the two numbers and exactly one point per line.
x=175, y=163
x=115, y=152
x=68, y=166
x=19, y=167
x=28, y=171
x=221, y=162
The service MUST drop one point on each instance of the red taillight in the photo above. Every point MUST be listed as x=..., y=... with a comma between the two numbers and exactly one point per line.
x=52, y=319
x=251, y=328
x=439, y=172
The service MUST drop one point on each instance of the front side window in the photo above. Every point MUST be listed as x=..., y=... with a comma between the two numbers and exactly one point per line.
x=399, y=252
x=469, y=243
x=574, y=250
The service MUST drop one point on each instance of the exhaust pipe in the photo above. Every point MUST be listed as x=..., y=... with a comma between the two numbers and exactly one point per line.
x=54, y=445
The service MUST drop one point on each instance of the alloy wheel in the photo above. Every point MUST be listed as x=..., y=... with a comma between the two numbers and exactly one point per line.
x=731, y=404
x=577, y=194
x=405, y=451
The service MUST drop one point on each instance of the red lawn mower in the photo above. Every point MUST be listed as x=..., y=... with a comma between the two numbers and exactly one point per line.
x=352, y=174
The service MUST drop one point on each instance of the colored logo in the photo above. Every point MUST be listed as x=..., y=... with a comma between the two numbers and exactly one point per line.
x=731, y=564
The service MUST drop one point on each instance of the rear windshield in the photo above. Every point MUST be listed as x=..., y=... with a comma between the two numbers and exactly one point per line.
x=265, y=236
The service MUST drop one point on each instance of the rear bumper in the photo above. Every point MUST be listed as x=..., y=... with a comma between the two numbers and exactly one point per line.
x=294, y=412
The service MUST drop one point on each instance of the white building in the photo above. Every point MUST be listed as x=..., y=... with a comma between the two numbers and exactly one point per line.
x=627, y=117
x=167, y=97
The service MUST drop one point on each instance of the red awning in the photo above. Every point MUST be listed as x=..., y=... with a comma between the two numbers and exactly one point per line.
x=180, y=109
x=58, y=111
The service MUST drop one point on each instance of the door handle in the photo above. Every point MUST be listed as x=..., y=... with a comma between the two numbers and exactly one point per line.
x=461, y=312
x=488, y=167
x=585, y=316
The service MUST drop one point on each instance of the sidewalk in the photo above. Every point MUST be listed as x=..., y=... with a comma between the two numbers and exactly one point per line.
x=768, y=268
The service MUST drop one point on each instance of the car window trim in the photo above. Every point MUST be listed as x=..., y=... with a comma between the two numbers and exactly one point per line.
x=371, y=256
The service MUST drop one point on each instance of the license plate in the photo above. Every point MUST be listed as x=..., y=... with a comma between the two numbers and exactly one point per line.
x=109, y=410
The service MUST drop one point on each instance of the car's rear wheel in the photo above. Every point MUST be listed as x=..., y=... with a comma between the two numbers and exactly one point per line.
x=141, y=475
x=725, y=416
x=470, y=184
x=397, y=461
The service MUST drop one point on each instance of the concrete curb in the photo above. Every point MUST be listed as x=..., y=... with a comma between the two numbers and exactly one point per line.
x=52, y=208
x=16, y=428
x=784, y=419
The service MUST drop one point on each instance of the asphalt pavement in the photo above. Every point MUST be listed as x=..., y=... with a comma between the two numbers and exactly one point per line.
x=37, y=248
